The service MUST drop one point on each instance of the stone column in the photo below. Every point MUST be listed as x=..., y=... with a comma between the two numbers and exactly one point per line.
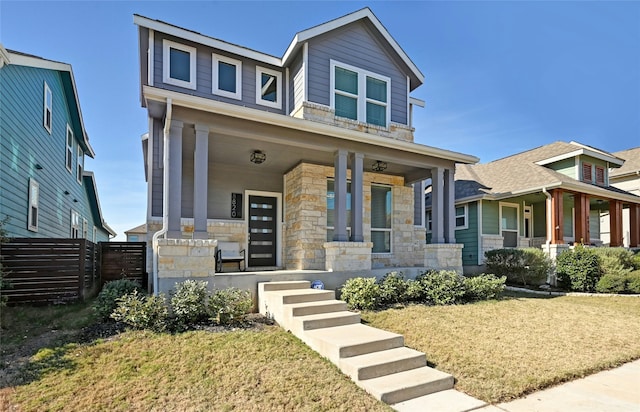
x=200, y=182
x=357, y=198
x=449, y=206
x=340, y=199
x=175, y=180
x=437, y=205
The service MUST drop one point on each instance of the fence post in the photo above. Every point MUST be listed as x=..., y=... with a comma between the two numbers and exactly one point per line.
x=81, y=267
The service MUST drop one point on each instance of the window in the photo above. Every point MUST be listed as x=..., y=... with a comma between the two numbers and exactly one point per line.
x=461, y=217
x=179, y=68
x=429, y=220
x=331, y=209
x=509, y=224
x=95, y=234
x=600, y=175
x=69, y=155
x=359, y=94
x=381, y=219
x=48, y=108
x=227, y=77
x=586, y=173
x=75, y=224
x=268, y=87
x=80, y=164
x=34, y=200
x=85, y=229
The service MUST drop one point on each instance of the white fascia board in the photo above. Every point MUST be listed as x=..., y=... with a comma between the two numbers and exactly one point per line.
x=416, y=102
x=205, y=40
x=4, y=56
x=572, y=187
x=582, y=152
x=276, y=119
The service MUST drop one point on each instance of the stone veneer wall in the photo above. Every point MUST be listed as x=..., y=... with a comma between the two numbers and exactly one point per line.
x=491, y=242
x=348, y=256
x=324, y=114
x=444, y=256
x=186, y=259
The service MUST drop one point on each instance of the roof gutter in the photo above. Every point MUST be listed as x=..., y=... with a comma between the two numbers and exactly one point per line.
x=165, y=194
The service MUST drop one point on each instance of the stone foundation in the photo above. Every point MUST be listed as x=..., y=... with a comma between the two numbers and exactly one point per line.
x=553, y=251
x=348, y=256
x=183, y=259
x=443, y=256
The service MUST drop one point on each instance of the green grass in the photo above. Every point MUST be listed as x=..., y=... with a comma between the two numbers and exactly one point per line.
x=500, y=350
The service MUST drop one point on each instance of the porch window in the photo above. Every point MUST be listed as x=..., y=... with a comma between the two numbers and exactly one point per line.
x=48, y=108
x=69, y=152
x=268, y=87
x=75, y=224
x=359, y=94
x=179, y=64
x=509, y=224
x=227, y=77
x=600, y=175
x=34, y=201
x=429, y=220
x=331, y=194
x=587, y=175
x=461, y=217
x=381, y=219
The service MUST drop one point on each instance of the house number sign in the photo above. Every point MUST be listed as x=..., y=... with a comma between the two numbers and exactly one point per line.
x=236, y=205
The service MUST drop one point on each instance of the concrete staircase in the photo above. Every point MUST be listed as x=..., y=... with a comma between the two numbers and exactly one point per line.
x=375, y=359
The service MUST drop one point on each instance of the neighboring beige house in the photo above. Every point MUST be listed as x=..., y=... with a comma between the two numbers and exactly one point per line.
x=626, y=178
x=137, y=234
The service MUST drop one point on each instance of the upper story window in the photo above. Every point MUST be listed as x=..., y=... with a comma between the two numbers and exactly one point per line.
x=359, y=94
x=268, y=87
x=47, y=117
x=69, y=151
x=80, y=164
x=600, y=178
x=179, y=64
x=587, y=172
x=227, y=77
x=75, y=224
x=34, y=203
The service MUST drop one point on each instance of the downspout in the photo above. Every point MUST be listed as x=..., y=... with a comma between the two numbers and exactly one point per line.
x=550, y=277
x=165, y=195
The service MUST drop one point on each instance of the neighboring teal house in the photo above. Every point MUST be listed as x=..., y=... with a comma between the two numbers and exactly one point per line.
x=45, y=192
x=551, y=197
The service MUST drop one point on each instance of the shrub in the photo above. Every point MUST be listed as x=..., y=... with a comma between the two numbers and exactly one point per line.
x=633, y=282
x=140, y=311
x=107, y=299
x=393, y=288
x=578, y=269
x=230, y=305
x=443, y=287
x=361, y=293
x=483, y=287
x=189, y=302
x=415, y=292
x=612, y=283
x=520, y=266
x=615, y=261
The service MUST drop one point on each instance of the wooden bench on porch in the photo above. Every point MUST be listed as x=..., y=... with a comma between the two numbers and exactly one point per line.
x=229, y=252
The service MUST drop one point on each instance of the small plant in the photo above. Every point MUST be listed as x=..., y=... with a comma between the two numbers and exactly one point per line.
x=612, y=283
x=520, y=266
x=483, y=287
x=107, y=299
x=140, y=311
x=578, y=269
x=229, y=306
x=443, y=287
x=361, y=293
x=189, y=302
x=393, y=288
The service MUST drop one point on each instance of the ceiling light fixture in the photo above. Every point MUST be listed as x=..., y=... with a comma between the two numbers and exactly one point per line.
x=379, y=166
x=258, y=157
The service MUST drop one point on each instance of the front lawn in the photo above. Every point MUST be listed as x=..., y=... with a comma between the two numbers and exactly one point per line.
x=499, y=350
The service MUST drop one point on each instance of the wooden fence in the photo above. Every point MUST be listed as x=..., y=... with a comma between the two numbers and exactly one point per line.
x=62, y=270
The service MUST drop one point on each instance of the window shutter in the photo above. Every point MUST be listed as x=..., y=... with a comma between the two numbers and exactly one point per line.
x=586, y=173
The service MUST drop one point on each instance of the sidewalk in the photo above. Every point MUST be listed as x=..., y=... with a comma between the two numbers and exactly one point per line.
x=615, y=390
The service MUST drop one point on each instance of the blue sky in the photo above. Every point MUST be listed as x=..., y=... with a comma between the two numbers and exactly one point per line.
x=501, y=77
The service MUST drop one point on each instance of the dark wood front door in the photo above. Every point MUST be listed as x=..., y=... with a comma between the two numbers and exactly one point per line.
x=262, y=231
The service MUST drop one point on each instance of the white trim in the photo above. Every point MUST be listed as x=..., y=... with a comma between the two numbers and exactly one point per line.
x=361, y=96
x=74, y=229
x=33, y=203
x=501, y=229
x=68, y=159
x=286, y=90
x=46, y=108
x=305, y=67
x=278, y=77
x=416, y=102
x=95, y=234
x=79, y=164
x=85, y=229
x=151, y=58
x=278, y=223
x=479, y=224
x=524, y=220
x=4, y=56
x=215, y=86
x=382, y=229
x=409, y=119
x=167, y=45
x=465, y=215
x=582, y=152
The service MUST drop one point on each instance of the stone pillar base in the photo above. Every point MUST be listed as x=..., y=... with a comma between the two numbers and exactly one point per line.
x=347, y=256
x=553, y=251
x=443, y=256
x=182, y=259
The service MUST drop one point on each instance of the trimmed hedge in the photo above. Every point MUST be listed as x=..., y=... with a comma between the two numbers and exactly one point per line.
x=528, y=266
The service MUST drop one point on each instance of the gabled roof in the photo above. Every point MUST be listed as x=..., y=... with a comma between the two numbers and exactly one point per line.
x=522, y=174
x=560, y=151
x=69, y=83
x=299, y=39
x=94, y=202
x=631, y=164
x=140, y=229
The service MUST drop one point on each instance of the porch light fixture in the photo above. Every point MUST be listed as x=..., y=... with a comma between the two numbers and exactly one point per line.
x=258, y=157
x=379, y=166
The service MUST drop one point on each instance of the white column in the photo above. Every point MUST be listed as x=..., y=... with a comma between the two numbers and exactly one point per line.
x=200, y=182
x=175, y=180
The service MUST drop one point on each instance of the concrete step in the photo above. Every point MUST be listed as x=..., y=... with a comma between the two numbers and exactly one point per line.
x=324, y=320
x=293, y=284
x=312, y=308
x=386, y=362
x=402, y=386
x=449, y=400
x=350, y=340
x=273, y=303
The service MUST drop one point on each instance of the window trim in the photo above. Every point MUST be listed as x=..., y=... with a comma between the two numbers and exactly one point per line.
x=75, y=228
x=167, y=45
x=501, y=229
x=465, y=215
x=85, y=229
x=31, y=225
x=68, y=161
x=278, y=103
x=95, y=234
x=215, y=87
x=79, y=165
x=390, y=228
x=361, y=97
x=45, y=108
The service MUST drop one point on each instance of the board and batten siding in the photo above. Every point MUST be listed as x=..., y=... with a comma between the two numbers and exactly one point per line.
x=204, y=72
x=469, y=237
x=25, y=142
x=567, y=167
x=356, y=45
x=297, y=79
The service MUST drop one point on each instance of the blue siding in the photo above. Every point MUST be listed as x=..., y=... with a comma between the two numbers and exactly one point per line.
x=24, y=142
x=469, y=237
